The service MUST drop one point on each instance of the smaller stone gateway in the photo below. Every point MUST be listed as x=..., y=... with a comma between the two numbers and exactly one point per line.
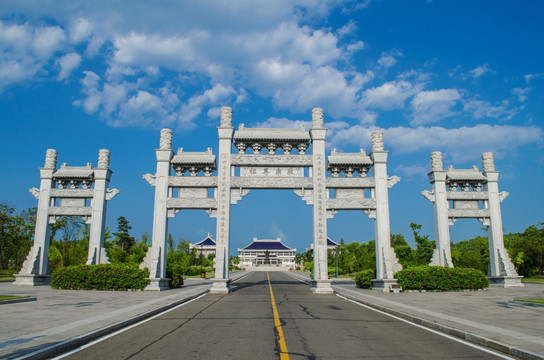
x=68, y=191
x=267, y=255
x=472, y=194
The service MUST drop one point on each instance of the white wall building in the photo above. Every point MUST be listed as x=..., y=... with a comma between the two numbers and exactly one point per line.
x=267, y=253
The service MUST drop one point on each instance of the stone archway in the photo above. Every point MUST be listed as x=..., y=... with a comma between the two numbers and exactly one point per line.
x=305, y=174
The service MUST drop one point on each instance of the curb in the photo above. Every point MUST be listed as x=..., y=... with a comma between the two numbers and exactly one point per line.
x=30, y=298
x=67, y=345
x=464, y=335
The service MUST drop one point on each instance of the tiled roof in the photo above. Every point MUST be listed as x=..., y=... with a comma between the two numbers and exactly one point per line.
x=470, y=175
x=348, y=158
x=74, y=172
x=267, y=245
x=331, y=243
x=196, y=158
x=271, y=134
x=207, y=242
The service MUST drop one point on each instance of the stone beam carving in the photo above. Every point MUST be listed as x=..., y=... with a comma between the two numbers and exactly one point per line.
x=72, y=193
x=351, y=204
x=360, y=182
x=181, y=203
x=237, y=195
x=193, y=181
x=306, y=195
x=271, y=160
x=468, y=213
x=271, y=183
x=70, y=211
x=467, y=195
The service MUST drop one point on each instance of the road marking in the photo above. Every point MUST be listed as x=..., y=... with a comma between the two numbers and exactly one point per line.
x=284, y=355
x=123, y=329
x=431, y=330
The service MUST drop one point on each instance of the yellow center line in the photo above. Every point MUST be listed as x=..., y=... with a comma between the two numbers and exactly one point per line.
x=284, y=355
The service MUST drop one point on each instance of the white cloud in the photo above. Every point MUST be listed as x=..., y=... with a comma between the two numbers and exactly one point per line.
x=284, y=123
x=521, y=93
x=483, y=109
x=412, y=172
x=389, y=59
x=391, y=95
x=431, y=106
x=480, y=71
x=47, y=40
x=68, y=63
x=80, y=30
x=460, y=143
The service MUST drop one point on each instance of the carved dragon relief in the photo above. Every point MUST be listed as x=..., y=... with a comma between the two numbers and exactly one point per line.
x=392, y=181
x=151, y=179
x=111, y=193
x=503, y=195
x=35, y=192
x=429, y=195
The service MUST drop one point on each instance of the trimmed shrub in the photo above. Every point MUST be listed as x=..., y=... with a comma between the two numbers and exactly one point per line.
x=363, y=279
x=100, y=277
x=438, y=278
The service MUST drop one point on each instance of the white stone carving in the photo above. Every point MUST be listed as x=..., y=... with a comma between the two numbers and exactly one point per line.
x=35, y=192
x=226, y=117
x=317, y=118
x=468, y=213
x=271, y=160
x=194, y=203
x=429, y=195
x=151, y=179
x=237, y=195
x=273, y=171
x=271, y=183
x=104, y=159
x=503, y=195
x=392, y=181
x=351, y=204
x=306, y=195
x=436, y=161
x=377, y=141
x=488, y=162
x=194, y=181
x=356, y=183
x=467, y=195
x=166, y=139
x=506, y=266
x=51, y=159
x=111, y=193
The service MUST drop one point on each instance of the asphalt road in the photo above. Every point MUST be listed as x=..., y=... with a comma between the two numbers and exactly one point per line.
x=241, y=326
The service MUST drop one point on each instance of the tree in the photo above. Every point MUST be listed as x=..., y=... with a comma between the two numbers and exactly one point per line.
x=122, y=236
x=472, y=253
x=425, y=247
x=16, y=232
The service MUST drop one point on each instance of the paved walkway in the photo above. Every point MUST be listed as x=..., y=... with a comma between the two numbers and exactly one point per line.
x=490, y=317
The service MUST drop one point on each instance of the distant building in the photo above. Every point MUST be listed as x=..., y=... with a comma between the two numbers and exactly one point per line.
x=206, y=246
x=267, y=253
x=331, y=245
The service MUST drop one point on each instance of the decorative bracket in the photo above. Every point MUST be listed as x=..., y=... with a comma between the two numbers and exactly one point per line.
x=35, y=192
x=111, y=193
x=392, y=181
x=503, y=195
x=429, y=195
x=151, y=179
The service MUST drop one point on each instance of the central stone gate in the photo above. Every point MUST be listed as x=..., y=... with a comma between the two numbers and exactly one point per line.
x=348, y=187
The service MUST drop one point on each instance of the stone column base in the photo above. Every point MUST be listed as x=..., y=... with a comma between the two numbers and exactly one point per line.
x=505, y=281
x=158, y=284
x=32, y=279
x=322, y=287
x=386, y=285
x=220, y=286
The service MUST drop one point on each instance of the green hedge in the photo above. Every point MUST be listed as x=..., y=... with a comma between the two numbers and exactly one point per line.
x=363, y=279
x=100, y=277
x=438, y=278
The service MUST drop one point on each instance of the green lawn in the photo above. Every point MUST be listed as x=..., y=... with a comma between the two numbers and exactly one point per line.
x=7, y=274
x=11, y=297
x=538, y=279
x=536, y=301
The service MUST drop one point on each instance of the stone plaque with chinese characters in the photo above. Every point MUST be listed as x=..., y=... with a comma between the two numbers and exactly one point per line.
x=260, y=171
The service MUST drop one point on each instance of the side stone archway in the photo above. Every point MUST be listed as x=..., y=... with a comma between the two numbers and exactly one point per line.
x=68, y=191
x=472, y=194
x=238, y=174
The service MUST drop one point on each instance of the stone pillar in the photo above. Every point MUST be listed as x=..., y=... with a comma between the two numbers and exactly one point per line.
x=502, y=272
x=35, y=269
x=442, y=253
x=320, y=283
x=157, y=261
x=226, y=133
x=102, y=175
x=387, y=263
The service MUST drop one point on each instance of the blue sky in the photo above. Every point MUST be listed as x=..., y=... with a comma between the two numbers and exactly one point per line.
x=461, y=77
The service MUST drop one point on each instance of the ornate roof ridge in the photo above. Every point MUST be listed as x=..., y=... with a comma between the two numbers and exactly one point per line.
x=74, y=172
